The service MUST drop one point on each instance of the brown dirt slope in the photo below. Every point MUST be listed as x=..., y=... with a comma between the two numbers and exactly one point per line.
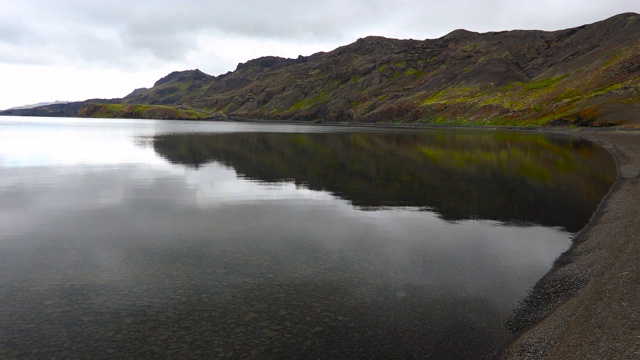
x=588, y=305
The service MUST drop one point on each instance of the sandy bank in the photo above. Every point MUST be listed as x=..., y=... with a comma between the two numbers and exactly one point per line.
x=588, y=305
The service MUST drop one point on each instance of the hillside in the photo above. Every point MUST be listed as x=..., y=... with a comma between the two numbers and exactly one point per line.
x=31, y=106
x=585, y=76
x=141, y=111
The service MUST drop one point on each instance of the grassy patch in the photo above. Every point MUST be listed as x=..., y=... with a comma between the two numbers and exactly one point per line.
x=140, y=112
x=442, y=120
x=415, y=72
x=606, y=89
x=569, y=94
x=308, y=102
x=433, y=98
x=617, y=56
x=541, y=84
x=551, y=116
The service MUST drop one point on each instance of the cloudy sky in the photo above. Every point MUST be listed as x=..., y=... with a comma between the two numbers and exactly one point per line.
x=75, y=50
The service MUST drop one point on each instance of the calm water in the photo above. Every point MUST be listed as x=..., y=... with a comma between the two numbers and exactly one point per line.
x=137, y=239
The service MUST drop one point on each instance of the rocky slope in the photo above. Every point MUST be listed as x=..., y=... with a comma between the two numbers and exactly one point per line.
x=587, y=76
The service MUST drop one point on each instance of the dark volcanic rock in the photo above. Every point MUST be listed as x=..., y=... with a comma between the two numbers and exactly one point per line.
x=183, y=76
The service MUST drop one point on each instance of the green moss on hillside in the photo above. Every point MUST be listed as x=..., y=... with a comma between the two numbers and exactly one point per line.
x=544, y=83
x=141, y=112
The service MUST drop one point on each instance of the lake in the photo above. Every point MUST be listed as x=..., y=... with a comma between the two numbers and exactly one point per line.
x=168, y=239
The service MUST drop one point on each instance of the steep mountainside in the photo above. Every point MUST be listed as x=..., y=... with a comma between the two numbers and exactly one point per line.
x=586, y=76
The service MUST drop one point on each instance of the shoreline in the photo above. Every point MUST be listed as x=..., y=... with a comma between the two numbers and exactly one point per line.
x=588, y=305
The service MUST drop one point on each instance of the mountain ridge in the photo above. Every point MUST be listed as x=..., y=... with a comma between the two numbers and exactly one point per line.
x=585, y=76
x=45, y=103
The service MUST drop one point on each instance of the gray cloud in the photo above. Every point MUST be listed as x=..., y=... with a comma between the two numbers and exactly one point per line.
x=119, y=31
x=137, y=34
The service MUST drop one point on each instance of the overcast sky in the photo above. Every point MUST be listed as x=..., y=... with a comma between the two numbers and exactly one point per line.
x=75, y=50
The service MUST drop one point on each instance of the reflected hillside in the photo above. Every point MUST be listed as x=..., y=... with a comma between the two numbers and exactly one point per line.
x=504, y=176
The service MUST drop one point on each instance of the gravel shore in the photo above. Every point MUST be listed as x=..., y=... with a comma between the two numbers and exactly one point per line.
x=588, y=305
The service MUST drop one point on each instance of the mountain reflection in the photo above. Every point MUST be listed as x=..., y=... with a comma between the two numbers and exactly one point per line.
x=504, y=176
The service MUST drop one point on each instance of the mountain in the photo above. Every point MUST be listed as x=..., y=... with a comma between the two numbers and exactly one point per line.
x=66, y=110
x=585, y=76
x=31, y=106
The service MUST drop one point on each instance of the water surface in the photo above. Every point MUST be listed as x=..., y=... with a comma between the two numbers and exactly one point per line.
x=132, y=239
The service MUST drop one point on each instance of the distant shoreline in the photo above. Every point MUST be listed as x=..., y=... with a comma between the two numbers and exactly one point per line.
x=563, y=129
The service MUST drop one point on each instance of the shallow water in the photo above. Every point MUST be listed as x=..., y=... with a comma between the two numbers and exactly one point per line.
x=135, y=238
